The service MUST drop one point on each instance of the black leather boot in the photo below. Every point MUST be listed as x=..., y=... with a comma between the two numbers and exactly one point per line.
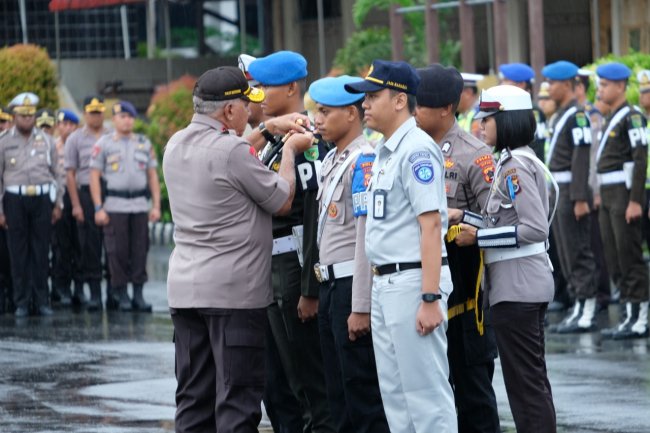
x=138, y=302
x=78, y=297
x=95, y=302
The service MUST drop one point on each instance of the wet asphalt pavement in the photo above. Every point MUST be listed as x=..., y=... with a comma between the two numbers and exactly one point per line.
x=114, y=372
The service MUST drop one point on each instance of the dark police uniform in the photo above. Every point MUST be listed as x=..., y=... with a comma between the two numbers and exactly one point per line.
x=621, y=169
x=298, y=343
x=124, y=164
x=469, y=168
x=30, y=187
x=345, y=275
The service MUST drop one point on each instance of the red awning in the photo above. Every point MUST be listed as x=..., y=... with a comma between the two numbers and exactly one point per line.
x=64, y=5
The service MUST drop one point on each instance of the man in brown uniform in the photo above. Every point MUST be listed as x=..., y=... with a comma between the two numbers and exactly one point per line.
x=30, y=202
x=344, y=270
x=78, y=151
x=128, y=164
x=469, y=168
x=568, y=158
x=621, y=163
x=222, y=198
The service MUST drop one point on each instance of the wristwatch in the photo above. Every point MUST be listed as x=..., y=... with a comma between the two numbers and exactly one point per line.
x=266, y=133
x=98, y=207
x=431, y=297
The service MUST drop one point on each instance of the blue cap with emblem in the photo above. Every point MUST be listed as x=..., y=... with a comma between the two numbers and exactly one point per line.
x=613, y=71
x=331, y=91
x=382, y=74
x=560, y=71
x=65, y=115
x=517, y=72
x=124, y=107
x=279, y=68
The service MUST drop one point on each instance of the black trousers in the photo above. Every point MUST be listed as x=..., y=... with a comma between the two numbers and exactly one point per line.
x=519, y=328
x=90, y=239
x=604, y=291
x=65, y=249
x=28, y=237
x=298, y=346
x=6, y=286
x=573, y=241
x=220, y=369
x=350, y=370
x=127, y=244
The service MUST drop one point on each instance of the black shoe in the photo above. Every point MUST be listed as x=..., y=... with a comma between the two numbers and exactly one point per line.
x=112, y=304
x=574, y=328
x=44, y=310
x=138, y=302
x=78, y=297
x=120, y=299
x=95, y=301
x=629, y=334
x=61, y=297
x=21, y=312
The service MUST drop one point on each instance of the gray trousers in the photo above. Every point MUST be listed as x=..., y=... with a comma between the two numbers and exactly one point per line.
x=573, y=240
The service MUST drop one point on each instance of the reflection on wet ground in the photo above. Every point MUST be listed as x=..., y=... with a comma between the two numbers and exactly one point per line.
x=114, y=372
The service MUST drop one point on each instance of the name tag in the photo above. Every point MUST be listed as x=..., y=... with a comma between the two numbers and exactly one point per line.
x=379, y=204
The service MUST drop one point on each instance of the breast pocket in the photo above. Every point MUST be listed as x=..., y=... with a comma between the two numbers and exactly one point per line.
x=336, y=209
x=384, y=181
x=13, y=159
x=141, y=159
x=114, y=162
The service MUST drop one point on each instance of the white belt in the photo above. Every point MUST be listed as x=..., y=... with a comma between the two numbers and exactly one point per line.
x=29, y=190
x=611, y=178
x=493, y=255
x=283, y=245
x=562, y=176
x=340, y=270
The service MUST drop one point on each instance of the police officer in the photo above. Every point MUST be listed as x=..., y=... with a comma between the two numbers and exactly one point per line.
x=292, y=316
x=568, y=158
x=643, y=77
x=519, y=277
x=523, y=76
x=221, y=199
x=127, y=162
x=621, y=164
x=31, y=203
x=46, y=121
x=407, y=220
x=469, y=168
x=78, y=152
x=6, y=119
x=65, y=242
x=343, y=270
x=6, y=292
x=468, y=104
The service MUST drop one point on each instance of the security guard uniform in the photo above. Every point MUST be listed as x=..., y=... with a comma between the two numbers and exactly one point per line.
x=621, y=169
x=518, y=273
x=469, y=168
x=124, y=163
x=298, y=343
x=406, y=182
x=78, y=151
x=345, y=275
x=29, y=186
x=568, y=159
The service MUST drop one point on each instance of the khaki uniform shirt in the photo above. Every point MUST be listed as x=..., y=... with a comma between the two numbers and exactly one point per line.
x=469, y=168
x=28, y=161
x=525, y=279
x=627, y=142
x=124, y=163
x=78, y=152
x=221, y=199
x=343, y=237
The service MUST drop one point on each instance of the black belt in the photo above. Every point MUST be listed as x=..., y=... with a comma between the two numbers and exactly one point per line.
x=127, y=194
x=397, y=267
x=84, y=188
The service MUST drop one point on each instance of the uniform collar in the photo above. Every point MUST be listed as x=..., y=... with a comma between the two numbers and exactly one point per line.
x=395, y=139
x=202, y=119
x=572, y=103
x=14, y=131
x=613, y=113
x=453, y=131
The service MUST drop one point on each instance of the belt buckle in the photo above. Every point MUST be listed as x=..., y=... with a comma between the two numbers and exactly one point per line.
x=30, y=190
x=319, y=275
x=375, y=270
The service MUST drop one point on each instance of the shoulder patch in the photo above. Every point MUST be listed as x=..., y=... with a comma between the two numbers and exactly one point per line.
x=581, y=119
x=419, y=155
x=512, y=183
x=423, y=171
x=636, y=121
x=312, y=153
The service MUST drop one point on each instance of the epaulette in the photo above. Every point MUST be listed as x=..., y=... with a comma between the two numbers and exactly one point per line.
x=505, y=155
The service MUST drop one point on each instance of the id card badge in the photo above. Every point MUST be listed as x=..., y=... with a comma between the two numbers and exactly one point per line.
x=379, y=204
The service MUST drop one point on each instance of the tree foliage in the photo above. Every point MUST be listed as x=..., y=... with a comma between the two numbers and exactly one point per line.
x=635, y=61
x=27, y=68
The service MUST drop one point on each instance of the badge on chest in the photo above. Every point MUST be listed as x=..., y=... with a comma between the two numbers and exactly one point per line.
x=379, y=204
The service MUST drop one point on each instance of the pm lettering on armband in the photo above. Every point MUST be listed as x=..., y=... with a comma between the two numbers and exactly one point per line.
x=309, y=179
x=360, y=203
x=637, y=137
x=581, y=136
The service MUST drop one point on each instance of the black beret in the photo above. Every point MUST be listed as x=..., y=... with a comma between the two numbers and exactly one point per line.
x=439, y=86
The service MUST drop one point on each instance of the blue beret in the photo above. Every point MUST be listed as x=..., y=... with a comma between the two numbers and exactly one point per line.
x=382, y=74
x=517, y=72
x=124, y=107
x=67, y=115
x=614, y=71
x=279, y=68
x=561, y=70
x=331, y=91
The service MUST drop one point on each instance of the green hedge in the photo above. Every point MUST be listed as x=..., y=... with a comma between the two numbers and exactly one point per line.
x=27, y=68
